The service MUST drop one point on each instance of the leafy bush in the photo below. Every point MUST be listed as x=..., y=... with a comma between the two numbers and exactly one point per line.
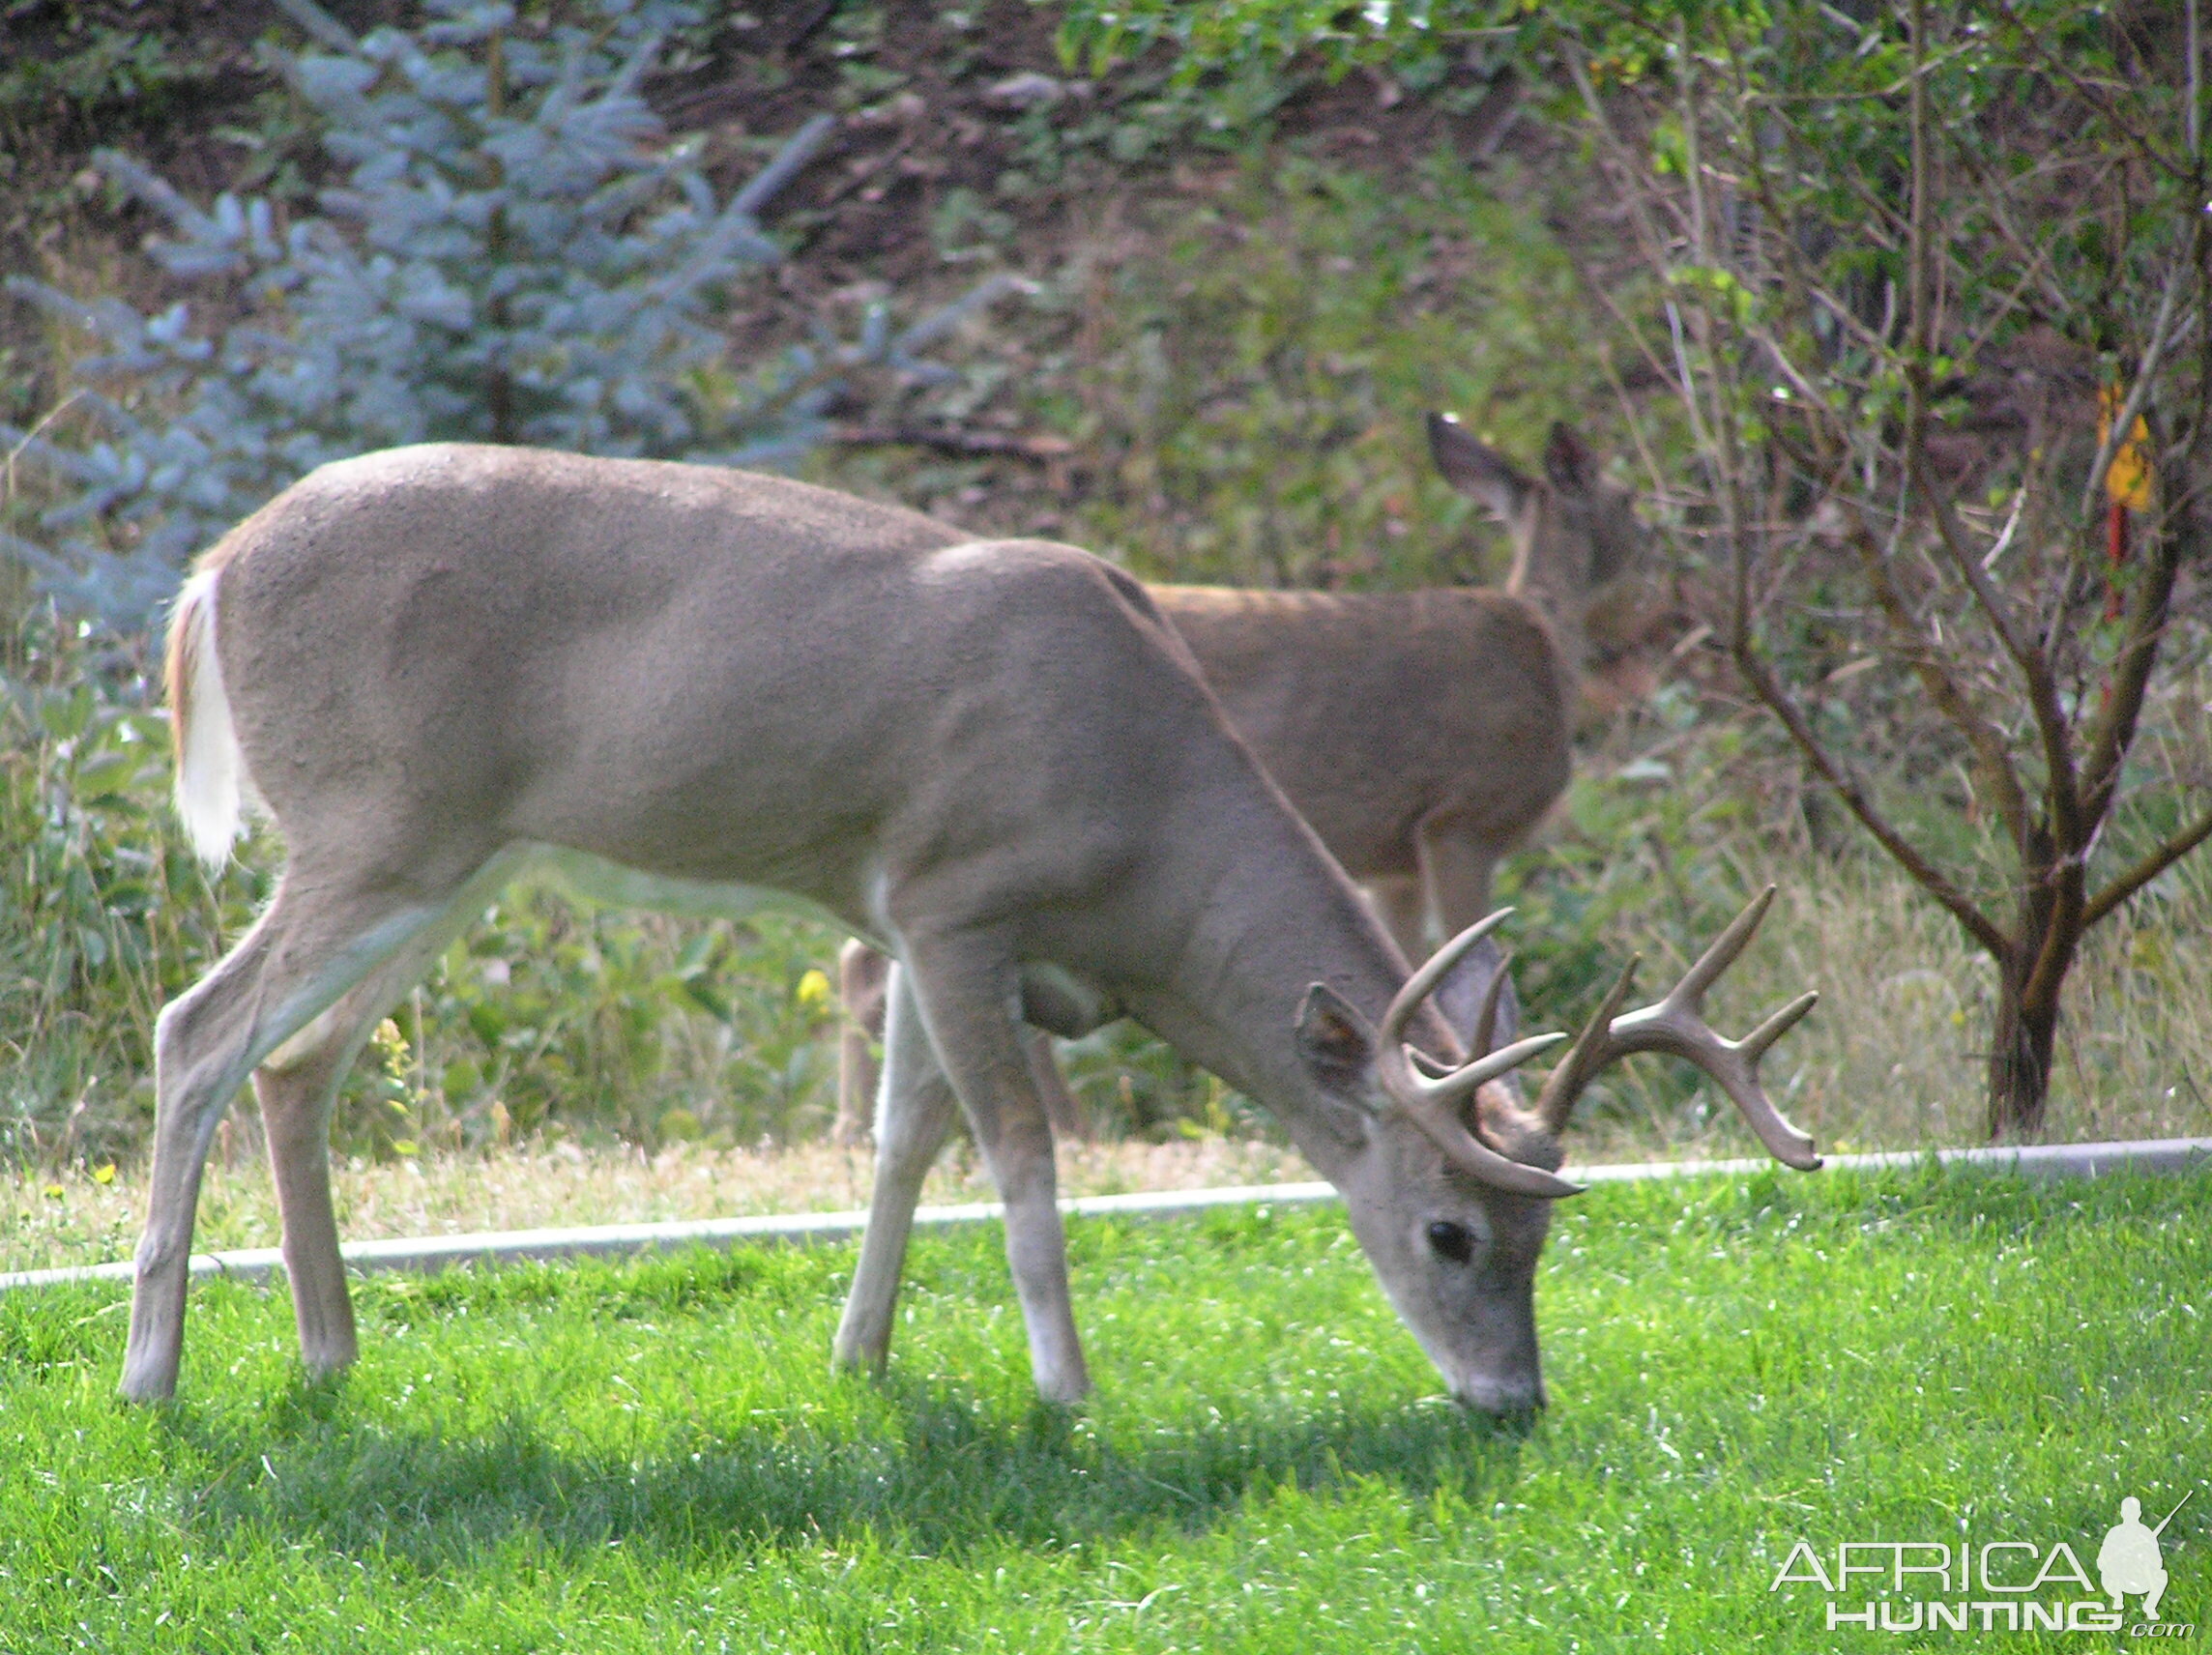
x=1257, y=383
x=107, y=910
x=551, y=1019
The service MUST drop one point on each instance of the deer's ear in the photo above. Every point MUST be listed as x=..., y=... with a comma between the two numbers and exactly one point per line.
x=1476, y=469
x=1567, y=460
x=1333, y=1038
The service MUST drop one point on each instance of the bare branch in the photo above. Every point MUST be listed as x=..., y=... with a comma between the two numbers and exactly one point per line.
x=1651, y=243
x=2032, y=253
x=2032, y=40
x=2149, y=868
x=2193, y=129
x=2050, y=721
x=953, y=440
x=2061, y=786
x=1919, y=263
x=1993, y=756
x=1849, y=788
x=2113, y=732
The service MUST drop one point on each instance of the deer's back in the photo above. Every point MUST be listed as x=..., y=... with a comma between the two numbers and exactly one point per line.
x=1375, y=711
x=700, y=673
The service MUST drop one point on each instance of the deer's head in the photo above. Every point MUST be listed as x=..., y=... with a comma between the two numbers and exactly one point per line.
x=1450, y=1191
x=1578, y=548
x=1449, y=1188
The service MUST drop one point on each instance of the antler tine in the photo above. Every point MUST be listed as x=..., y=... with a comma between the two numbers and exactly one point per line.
x=1753, y=1045
x=1429, y=1103
x=1423, y=982
x=1592, y=1051
x=1690, y=992
x=1428, y=1093
x=1677, y=1027
x=1486, y=1019
x=1436, y=1083
x=1449, y=1087
x=1733, y=1065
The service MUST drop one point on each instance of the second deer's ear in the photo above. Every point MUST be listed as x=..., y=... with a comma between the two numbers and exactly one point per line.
x=1476, y=469
x=1333, y=1038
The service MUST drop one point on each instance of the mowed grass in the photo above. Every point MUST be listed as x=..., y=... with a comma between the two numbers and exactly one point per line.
x=653, y=1457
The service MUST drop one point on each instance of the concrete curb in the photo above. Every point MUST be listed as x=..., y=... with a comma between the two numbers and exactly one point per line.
x=629, y=1241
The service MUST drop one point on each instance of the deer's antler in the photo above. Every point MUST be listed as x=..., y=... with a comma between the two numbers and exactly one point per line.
x=1676, y=1025
x=1428, y=1092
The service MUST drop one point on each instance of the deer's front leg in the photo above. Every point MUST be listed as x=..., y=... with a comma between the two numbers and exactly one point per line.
x=912, y=1120
x=1456, y=864
x=965, y=987
x=1401, y=905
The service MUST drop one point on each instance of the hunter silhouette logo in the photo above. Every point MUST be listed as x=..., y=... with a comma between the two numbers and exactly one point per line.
x=2130, y=1561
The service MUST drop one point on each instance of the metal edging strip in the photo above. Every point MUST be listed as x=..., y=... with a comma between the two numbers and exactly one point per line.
x=627, y=1240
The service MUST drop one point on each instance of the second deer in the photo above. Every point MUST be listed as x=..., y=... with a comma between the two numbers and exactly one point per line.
x=1423, y=734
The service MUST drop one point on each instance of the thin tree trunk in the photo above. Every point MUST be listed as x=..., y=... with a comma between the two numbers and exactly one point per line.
x=2031, y=977
x=2021, y=1046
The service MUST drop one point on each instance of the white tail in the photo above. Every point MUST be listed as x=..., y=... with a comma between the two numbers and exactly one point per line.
x=212, y=784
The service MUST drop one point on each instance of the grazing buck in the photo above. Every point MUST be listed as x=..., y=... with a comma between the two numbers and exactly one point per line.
x=691, y=687
x=1422, y=735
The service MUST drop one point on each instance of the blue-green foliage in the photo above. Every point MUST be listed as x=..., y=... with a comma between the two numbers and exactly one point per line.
x=518, y=255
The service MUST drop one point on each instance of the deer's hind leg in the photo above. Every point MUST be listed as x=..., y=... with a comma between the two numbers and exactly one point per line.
x=862, y=975
x=297, y=1087
x=1456, y=863
x=322, y=934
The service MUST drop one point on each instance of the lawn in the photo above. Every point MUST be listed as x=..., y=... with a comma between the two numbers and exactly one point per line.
x=653, y=1457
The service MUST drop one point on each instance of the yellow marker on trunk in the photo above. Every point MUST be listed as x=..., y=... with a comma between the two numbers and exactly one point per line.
x=2128, y=481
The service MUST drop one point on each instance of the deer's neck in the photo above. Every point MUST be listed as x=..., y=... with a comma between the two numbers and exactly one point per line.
x=1551, y=575
x=1276, y=918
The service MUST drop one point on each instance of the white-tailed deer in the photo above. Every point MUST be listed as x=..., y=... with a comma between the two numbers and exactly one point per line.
x=686, y=687
x=1422, y=735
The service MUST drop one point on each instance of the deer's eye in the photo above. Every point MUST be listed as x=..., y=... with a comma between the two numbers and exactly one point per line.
x=1452, y=1240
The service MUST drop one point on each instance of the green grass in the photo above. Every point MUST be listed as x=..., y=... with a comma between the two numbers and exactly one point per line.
x=653, y=1457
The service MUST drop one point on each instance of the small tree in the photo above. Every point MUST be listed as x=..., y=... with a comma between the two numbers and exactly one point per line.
x=1904, y=259
x=1903, y=255
x=519, y=255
